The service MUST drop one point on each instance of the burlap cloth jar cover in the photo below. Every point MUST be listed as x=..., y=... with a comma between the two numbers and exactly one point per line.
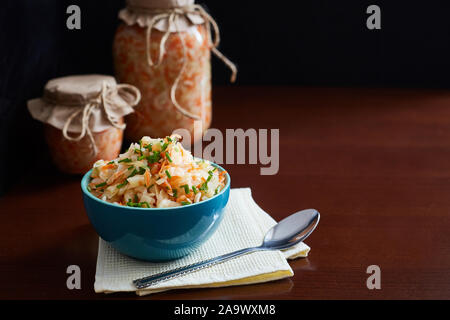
x=163, y=47
x=83, y=117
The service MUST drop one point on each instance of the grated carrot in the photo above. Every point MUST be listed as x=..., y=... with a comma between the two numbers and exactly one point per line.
x=147, y=178
x=108, y=166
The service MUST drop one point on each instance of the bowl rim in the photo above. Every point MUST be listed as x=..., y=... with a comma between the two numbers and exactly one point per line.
x=86, y=176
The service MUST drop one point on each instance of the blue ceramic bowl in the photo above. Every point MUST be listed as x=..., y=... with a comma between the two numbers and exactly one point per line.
x=155, y=234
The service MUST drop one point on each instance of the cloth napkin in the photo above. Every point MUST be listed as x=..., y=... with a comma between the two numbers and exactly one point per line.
x=244, y=225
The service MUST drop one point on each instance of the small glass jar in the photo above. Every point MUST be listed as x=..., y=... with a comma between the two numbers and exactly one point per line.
x=76, y=157
x=83, y=117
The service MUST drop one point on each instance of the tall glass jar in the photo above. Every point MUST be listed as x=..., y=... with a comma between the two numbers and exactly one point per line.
x=156, y=114
x=163, y=48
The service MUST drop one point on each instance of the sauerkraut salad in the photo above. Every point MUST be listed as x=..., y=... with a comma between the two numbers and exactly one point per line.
x=155, y=173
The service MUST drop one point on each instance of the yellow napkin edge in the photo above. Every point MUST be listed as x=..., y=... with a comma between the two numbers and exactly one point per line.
x=301, y=254
x=265, y=277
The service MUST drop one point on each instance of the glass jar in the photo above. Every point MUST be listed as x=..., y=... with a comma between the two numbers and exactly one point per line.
x=156, y=114
x=83, y=117
x=76, y=156
x=163, y=47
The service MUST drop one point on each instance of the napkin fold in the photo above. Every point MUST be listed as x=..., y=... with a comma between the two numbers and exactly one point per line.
x=244, y=225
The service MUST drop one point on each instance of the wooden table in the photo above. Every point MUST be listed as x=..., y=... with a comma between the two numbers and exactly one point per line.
x=374, y=162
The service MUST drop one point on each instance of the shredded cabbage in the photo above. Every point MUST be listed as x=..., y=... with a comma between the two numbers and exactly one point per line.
x=156, y=173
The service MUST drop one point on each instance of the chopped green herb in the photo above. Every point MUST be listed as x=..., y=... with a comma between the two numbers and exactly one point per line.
x=164, y=146
x=217, y=191
x=122, y=184
x=168, y=157
x=100, y=185
x=149, y=147
x=194, y=189
x=155, y=157
x=131, y=168
x=138, y=204
x=125, y=160
x=131, y=203
x=146, y=203
x=175, y=192
x=204, y=186
x=89, y=189
x=133, y=173
x=142, y=157
x=168, y=138
x=168, y=174
x=138, y=151
x=186, y=188
x=184, y=203
x=111, y=162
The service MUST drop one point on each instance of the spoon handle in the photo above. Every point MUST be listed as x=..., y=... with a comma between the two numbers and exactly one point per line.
x=163, y=276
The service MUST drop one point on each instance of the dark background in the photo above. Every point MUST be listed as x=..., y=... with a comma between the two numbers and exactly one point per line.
x=307, y=43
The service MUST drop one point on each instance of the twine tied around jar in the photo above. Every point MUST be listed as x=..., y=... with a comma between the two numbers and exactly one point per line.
x=171, y=15
x=130, y=94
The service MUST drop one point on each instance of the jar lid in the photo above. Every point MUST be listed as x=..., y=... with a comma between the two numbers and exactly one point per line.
x=67, y=101
x=143, y=12
x=76, y=90
x=159, y=4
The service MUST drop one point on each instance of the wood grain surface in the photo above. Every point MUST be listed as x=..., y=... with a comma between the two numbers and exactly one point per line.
x=374, y=162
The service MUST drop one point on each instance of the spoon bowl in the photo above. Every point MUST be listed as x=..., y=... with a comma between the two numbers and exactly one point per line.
x=291, y=230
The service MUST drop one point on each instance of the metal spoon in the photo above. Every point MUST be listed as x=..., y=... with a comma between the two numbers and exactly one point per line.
x=286, y=233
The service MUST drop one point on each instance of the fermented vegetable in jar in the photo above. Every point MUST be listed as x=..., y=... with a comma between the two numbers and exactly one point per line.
x=77, y=156
x=83, y=117
x=163, y=48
